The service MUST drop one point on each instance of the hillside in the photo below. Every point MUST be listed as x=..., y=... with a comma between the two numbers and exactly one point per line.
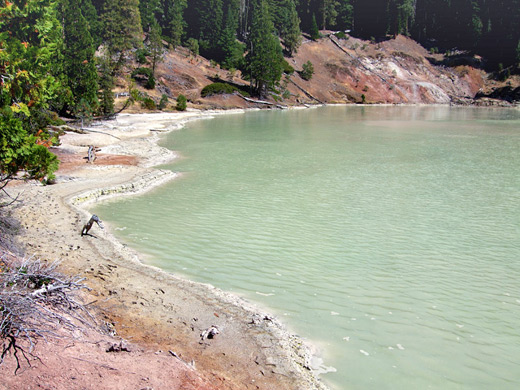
x=351, y=70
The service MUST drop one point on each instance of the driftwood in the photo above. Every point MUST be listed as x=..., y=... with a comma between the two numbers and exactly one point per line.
x=262, y=102
x=66, y=128
x=209, y=333
x=91, y=154
x=78, y=130
x=89, y=224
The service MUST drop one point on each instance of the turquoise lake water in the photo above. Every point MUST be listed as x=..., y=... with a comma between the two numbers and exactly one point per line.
x=389, y=237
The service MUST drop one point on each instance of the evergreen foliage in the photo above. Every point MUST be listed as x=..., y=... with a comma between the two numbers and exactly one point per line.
x=315, y=32
x=287, y=68
x=205, y=23
x=344, y=20
x=122, y=28
x=30, y=85
x=155, y=45
x=264, y=61
x=307, y=71
x=193, y=45
x=163, y=102
x=148, y=9
x=106, y=84
x=78, y=52
x=145, y=75
x=218, y=89
x=232, y=51
x=90, y=13
x=172, y=20
x=182, y=103
x=289, y=27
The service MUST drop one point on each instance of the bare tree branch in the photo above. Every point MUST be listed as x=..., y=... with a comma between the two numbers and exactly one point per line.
x=36, y=301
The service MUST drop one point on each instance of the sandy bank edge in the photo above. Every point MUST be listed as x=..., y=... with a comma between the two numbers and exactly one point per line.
x=296, y=351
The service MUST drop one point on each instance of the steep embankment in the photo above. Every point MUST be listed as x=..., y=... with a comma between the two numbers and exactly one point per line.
x=351, y=70
x=393, y=71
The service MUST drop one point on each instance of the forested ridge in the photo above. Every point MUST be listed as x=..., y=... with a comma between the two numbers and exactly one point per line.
x=59, y=58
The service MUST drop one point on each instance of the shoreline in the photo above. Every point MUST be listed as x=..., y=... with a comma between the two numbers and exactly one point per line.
x=124, y=283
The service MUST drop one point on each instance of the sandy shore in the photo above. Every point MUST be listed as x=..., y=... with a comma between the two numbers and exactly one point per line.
x=159, y=314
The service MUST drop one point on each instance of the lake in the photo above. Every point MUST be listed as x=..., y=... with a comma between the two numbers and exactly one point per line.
x=388, y=237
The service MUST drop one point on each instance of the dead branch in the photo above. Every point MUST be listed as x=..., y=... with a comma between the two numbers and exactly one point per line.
x=89, y=224
x=36, y=302
x=63, y=128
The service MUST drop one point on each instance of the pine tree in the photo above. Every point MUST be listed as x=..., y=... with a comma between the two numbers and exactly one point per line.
x=401, y=14
x=264, y=59
x=287, y=24
x=345, y=17
x=155, y=45
x=205, y=23
x=122, y=29
x=315, y=32
x=173, y=22
x=231, y=51
x=90, y=13
x=328, y=13
x=148, y=9
x=106, y=85
x=78, y=52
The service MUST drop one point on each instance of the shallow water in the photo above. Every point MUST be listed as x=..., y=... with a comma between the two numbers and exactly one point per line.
x=388, y=236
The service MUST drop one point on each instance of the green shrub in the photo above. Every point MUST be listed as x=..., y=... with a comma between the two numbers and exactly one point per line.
x=150, y=83
x=307, y=71
x=193, y=46
x=181, y=103
x=140, y=56
x=144, y=74
x=147, y=72
x=341, y=35
x=163, y=102
x=287, y=68
x=217, y=89
x=148, y=103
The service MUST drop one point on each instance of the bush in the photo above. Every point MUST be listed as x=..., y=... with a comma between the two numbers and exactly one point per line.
x=150, y=83
x=193, y=46
x=307, y=71
x=217, y=89
x=146, y=72
x=148, y=103
x=140, y=56
x=163, y=102
x=287, y=68
x=181, y=103
x=341, y=35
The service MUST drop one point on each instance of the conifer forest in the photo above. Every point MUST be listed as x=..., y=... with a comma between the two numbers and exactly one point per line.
x=58, y=58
